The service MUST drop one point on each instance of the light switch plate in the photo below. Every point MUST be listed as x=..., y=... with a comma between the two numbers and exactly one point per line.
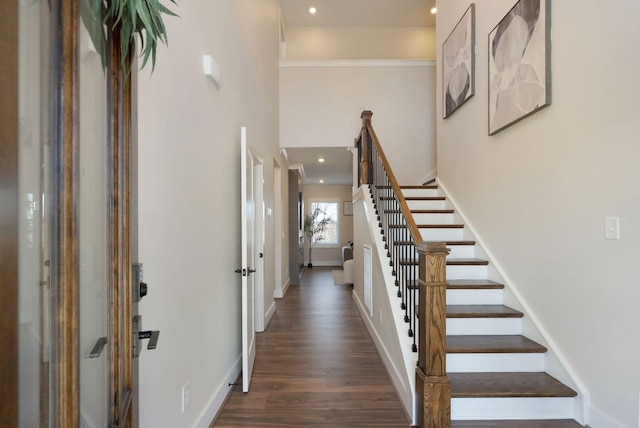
x=612, y=228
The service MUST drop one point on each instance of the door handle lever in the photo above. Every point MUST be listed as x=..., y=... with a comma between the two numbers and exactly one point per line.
x=152, y=336
x=98, y=347
x=138, y=335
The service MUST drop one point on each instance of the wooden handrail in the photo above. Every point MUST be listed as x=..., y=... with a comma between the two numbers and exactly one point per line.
x=433, y=389
x=411, y=224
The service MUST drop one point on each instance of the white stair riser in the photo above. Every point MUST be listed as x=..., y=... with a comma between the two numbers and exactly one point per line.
x=426, y=205
x=439, y=218
x=461, y=251
x=462, y=272
x=466, y=272
x=441, y=234
x=476, y=326
x=419, y=192
x=474, y=297
x=522, y=362
x=512, y=408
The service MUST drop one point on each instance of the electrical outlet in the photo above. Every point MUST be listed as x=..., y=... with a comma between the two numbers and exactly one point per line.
x=186, y=395
x=380, y=312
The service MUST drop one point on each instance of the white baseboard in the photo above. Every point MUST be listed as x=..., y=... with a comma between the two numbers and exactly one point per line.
x=597, y=419
x=336, y=263
x=279, y=294
x=403, y=390
x=270, y=313
x=219, y=397
x=430, y=176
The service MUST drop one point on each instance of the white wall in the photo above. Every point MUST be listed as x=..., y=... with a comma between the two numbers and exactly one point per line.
x=323, y=43
x=385, y=319
x=329, y=256
x=321, y=103
x=538, y=192
x=189, y=156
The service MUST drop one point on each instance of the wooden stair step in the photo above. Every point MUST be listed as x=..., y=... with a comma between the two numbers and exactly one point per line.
x=428, y=186
x=494, y=344
x=466, y=262
x=473, y=284
x=421, y=211
x=431, y=242
x=547, y=423
x=445, y=211
x=450, y=262
x=440, y=226
x=417, y=186
x=424, y=198
x=482, y=311
x=507, y=384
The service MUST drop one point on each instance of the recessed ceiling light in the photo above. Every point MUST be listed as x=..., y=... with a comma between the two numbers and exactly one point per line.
x=320, y=160
x=434, y=10
x=321, y=180
x=312, y=10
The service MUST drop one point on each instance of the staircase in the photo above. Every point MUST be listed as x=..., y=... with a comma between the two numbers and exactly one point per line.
x=497, y=375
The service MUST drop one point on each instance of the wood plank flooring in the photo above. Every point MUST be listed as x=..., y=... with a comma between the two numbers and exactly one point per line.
x=316, y=366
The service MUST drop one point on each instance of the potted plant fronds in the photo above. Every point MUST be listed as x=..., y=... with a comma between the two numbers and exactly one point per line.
x=126, y=18
x=315, y=224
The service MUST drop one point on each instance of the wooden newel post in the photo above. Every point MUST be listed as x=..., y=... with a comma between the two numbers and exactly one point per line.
x=365, y=168
x=432, y=382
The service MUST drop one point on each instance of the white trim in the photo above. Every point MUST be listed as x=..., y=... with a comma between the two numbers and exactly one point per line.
x=553, y=353
x=358, y=63
x=326, y=263
x=279, y=294
x=270, y=313
x=430, y=176
x=219, y=397
x=596, y=418
x=363, y=195
x=403, y=390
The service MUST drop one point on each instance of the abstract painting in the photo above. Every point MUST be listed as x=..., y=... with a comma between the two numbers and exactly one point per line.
x=519, y=64
x=459, y=62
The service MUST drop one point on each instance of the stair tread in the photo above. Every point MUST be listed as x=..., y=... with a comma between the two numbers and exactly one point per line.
x=424, y=198
x=451, y=262
x=466, y=262
x=432, y=211
x=428, y=186
x=456, y=242
x=492, y=344
x=482, y=311
x=440, y=226
x=507, y=384
x=547, y=423
x=431, y=242
x=471, y=284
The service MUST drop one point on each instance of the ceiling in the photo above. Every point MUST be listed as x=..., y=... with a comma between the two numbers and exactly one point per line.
x=336, y=169
x=347, y=13
x=358, y=13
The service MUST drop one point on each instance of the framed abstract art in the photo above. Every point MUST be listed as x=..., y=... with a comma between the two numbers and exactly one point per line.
x=458, y=63
x=519, y=64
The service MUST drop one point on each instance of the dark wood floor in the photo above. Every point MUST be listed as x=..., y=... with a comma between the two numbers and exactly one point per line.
x=316, y=366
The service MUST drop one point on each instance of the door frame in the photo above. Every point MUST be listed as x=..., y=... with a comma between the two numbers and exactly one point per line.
x=9, y=214
x=259, y=241
x=65, y=266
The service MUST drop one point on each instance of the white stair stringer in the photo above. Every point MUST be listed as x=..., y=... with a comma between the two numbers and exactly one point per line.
x=494, y=408
x=402, y=374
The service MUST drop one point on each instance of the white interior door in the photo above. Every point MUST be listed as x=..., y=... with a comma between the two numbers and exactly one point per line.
x=248, y=210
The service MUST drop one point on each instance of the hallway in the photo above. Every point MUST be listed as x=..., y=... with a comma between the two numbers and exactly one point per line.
x=316, y=366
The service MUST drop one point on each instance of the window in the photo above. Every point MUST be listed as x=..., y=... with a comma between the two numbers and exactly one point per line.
x=326, y=212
